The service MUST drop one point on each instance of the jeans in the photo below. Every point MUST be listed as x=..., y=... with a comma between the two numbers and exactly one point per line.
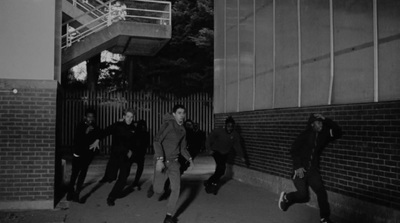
x=171, y=172
x=312, y=178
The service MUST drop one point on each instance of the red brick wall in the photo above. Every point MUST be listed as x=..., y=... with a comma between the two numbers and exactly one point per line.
x=27, y=140
x=364, y=164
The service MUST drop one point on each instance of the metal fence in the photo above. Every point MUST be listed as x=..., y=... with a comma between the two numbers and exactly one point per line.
x=109, y=107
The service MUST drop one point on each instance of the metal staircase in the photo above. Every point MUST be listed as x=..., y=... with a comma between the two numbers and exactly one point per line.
x=135, y=27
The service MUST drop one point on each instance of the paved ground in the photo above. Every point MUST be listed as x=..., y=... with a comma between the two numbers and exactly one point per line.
x=235, y=202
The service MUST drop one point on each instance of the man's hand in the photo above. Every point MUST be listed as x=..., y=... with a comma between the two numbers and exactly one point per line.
x=94, y=145
x=89, y=129
x=245, y=161
x=319, y=116
x=191, y=165
x=299, y=173
x=160, y=166
x=129, y=154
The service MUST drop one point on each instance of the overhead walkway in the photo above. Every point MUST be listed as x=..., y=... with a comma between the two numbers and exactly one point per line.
x=137, y=27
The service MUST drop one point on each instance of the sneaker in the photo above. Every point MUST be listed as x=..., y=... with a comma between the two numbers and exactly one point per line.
x=150, y=192
x=136, y=185
x=283, y=202
x=212, y=188
x=110, y=201
x=325, y=220
x=70, y=196
x=169, y=219
x=75, y=197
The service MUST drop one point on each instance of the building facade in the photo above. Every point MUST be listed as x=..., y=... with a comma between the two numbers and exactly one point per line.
x=30, y=61
x=277, y=61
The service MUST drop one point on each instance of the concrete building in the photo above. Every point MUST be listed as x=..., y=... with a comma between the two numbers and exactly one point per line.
x=277, y=61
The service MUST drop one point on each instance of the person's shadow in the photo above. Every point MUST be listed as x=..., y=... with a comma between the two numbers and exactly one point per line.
x=194, y=188
x=84, y=198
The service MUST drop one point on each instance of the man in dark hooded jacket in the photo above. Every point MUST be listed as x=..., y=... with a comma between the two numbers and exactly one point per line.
x=86, y=133
x=305, y=152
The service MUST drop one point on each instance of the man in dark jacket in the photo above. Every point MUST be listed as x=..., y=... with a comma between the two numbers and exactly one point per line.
x=142, y=143
x=221, y=143
x=123, y=143
x=305, y=152
x=86, y=133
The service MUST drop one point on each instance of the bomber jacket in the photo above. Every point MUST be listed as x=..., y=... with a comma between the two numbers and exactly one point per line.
x=307, y=147
x=123, y=137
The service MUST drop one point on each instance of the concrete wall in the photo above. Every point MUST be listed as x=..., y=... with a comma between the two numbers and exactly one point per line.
x=28, y=43
x=288, y=53
x=360, y=170
x=30, y=61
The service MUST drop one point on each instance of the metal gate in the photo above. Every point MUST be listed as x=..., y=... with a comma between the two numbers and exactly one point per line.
x=109, y=107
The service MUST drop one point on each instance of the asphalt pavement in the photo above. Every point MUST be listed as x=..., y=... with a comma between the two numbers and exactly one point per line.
x=235, y=202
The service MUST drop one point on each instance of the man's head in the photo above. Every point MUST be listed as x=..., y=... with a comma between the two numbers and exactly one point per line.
x=316, y=122
x=179, y=113
x=195, y=126
x=189, y=124
x=90, y=115
x=229, y=124
x=128, y=116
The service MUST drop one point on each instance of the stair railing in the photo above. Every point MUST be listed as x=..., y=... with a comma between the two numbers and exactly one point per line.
x=88, y=8
x=140, y=11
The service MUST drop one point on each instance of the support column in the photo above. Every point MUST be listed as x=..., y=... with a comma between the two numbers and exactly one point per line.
x=93, y=71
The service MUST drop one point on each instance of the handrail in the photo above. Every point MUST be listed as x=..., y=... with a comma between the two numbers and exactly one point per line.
x=112, y=15
x=105, y=4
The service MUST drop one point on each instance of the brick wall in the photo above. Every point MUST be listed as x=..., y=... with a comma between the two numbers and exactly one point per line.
x=364, y=164
x=27, y=148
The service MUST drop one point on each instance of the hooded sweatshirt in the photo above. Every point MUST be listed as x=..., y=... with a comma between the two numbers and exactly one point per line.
x=170, y=140
x=307, y=148
x=221, y=141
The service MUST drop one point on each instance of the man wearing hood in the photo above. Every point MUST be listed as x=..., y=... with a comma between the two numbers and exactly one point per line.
x=305, y=152
x=221, y=143
x=169, y=142
x=86, y=133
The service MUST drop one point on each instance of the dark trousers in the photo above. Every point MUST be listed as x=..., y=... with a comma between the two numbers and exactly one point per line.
x=122, y=164
x=311, y=179
x=140, y=166
x=220, y=161
x=80, y=166
x=112, y=167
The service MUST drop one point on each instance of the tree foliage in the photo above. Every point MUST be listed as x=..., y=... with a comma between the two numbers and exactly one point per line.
x=185, y=64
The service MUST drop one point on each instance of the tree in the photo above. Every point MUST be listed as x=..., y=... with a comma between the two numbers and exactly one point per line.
x=185, y=64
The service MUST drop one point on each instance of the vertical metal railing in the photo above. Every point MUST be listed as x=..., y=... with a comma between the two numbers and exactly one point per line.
x=149, y=107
